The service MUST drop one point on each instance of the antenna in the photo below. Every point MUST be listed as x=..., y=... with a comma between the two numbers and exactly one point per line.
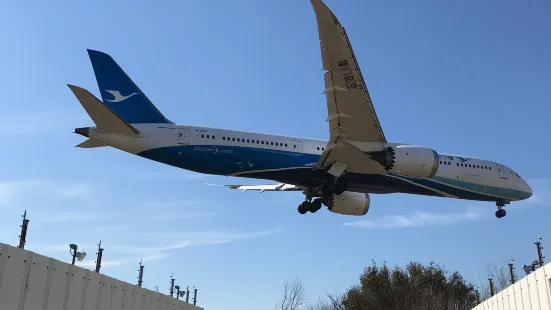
x=23, y=236
x=172, y=285
x=539, y=248
x=187, y=294
x=177, y=287
x=195, y=297
x=100, y=254
x=140, y=276
x=491, y=287
x=511, y=272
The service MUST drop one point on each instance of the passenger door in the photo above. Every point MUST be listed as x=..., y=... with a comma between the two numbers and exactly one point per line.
x=297, y=146
x=183, y=136
x=501, y=170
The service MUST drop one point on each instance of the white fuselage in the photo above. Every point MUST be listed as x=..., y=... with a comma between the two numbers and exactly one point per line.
x=284, y=158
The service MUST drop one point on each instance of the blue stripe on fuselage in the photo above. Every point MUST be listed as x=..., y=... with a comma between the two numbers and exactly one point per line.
x=296, y=168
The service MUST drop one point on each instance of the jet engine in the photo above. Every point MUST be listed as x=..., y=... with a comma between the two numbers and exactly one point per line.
x=349, y=203
x=407, y=160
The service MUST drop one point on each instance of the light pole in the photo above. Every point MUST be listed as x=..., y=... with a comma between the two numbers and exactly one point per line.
x=76, y=255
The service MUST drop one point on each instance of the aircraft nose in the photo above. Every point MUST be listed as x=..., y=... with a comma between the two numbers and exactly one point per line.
x=529, y=191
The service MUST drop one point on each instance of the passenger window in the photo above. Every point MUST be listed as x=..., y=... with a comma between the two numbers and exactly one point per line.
x=318, y=148
x=223, y=138
x=457, y=164
x=213, y=137
x=440, y=162
x=285, y=144
x=202, y=136
x=490, y=168
x=262, y=142
x=208, y=136
x=233, y=139
x=238, y=140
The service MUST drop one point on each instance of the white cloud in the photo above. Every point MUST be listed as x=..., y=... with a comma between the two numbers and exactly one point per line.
x=17, y=193
x=149, y=247
x=418, y=219
x=174, y=241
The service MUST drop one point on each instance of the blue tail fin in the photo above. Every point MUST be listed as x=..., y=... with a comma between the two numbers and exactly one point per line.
x=121, y=94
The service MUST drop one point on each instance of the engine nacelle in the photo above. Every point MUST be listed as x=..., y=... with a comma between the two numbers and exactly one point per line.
x=349, y=203
x=408, y=160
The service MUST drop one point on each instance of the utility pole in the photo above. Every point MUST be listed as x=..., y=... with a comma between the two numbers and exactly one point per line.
x=172, y=285
x=491, y=287
x=140, y=276
x=195, y=297
x=187, y=294
x=100, y=254
x=540, y=253
x=511, y=273
x=23, y=236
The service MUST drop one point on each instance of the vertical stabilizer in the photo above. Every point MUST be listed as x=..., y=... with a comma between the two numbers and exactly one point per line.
x=120, y=93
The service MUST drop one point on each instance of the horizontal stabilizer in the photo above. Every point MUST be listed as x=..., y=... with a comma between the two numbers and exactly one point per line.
x=267, y=187
x=90, y=143
x=102, y=115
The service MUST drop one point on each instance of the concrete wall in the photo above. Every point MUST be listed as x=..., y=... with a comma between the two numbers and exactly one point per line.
x=29, y=281
x=533, y=292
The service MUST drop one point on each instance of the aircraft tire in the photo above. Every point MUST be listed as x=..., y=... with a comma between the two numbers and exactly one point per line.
x=304, y=207
x=315, y=205
x=500, y=213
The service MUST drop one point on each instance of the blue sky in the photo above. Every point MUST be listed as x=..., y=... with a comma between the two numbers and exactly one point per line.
x=468, y=77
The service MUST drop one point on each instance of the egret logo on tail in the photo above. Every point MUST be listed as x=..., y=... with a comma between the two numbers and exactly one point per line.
x=118, y=96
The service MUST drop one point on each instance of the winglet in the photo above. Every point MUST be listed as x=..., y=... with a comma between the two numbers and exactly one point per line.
x=102, y=115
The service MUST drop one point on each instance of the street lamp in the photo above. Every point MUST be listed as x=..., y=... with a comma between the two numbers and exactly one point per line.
x=76, y=255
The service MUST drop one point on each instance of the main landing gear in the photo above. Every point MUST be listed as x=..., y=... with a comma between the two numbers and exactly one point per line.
x=334, y=187
x=310, y=205
x=500, y=212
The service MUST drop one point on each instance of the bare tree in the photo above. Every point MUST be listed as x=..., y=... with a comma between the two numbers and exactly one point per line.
x=333, y=302
x=294, y=296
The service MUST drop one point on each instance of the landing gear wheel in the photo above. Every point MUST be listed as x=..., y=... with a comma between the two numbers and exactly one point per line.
x=500, y=213
x=304, y=207
x=315, y=205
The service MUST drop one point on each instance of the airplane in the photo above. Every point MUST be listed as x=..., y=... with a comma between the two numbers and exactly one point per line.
x=340, y=173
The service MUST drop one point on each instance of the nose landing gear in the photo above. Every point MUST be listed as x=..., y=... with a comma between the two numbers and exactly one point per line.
x=501, y=212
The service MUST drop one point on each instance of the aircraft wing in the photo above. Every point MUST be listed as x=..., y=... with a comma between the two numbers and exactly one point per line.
x=267, y=187
x=351, y=115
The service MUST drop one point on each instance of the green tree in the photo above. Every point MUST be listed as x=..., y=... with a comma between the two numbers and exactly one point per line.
x=413, y=287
